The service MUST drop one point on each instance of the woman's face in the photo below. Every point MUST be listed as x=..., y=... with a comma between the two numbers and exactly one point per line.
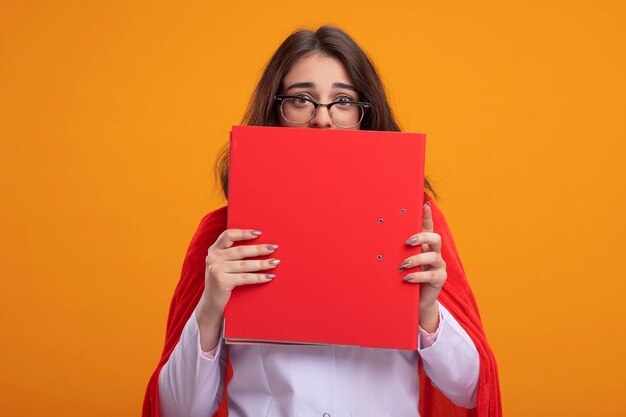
x=323, y=79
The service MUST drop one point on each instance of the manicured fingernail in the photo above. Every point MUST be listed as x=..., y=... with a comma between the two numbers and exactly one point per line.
x=270, y=276
x=274, y=262
x=411, y=241
x=255, y=233
x=407, y=278
x=406, y=263
x=272, y=247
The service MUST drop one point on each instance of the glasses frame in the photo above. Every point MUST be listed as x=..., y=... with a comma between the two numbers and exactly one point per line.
x=364, y=107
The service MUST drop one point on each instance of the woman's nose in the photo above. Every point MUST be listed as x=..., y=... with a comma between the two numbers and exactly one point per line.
x=322, y=119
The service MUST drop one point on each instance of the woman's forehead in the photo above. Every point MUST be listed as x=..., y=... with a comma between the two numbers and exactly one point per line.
x=321, y=70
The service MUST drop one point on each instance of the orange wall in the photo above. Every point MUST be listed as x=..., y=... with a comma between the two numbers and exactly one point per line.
x=112, y=112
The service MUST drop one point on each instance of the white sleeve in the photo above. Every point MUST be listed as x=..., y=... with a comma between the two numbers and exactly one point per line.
x=452, y=362
x=191, y=384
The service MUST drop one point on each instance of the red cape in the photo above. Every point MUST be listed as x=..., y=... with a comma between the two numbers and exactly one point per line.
x=456, y=296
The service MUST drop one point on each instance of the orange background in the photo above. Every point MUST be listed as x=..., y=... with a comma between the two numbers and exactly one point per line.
x=111, y=114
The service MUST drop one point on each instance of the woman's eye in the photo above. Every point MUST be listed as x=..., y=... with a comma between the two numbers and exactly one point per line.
x=344, y=101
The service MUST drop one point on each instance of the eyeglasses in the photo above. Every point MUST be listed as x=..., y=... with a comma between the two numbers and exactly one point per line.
x=301, y=110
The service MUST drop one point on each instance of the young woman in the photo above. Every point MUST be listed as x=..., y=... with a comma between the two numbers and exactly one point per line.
x=320, y=80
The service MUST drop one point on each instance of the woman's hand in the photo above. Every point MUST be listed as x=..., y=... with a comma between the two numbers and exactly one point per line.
x=225, y=270
x=432, y=275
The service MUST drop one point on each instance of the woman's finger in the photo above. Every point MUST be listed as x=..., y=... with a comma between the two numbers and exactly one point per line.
x=230, y=236
x=249, y=265
x=435, y=277
x=433, y=240
x=246, y=279
x=246, y=251
x=432, y=259
x=427, y=219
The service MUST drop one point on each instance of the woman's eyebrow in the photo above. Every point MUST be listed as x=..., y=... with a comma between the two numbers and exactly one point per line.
x=301, y=85
x=312, y=85
x=344, y=85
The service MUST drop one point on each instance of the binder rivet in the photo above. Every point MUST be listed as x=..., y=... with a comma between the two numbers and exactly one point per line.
x=402, y=211
x=381, y=220
x=379, y=257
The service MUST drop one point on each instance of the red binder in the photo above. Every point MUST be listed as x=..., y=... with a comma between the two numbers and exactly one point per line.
x=340, y=204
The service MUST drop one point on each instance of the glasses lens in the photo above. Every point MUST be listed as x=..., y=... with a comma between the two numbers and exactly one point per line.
x=346, y=114
x=297, y=110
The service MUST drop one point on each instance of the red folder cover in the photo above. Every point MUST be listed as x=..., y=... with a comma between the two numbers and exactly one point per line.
x=340, y=204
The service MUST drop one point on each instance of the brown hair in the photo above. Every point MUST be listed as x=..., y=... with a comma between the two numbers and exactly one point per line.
x=327, y=40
